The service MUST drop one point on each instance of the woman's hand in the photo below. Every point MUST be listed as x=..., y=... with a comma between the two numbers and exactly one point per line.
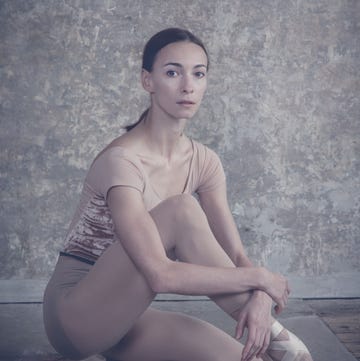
x=256, y=317
x=276, y=286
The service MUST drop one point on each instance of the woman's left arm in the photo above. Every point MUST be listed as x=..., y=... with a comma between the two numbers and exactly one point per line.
x=256, y=313
x=222, y=224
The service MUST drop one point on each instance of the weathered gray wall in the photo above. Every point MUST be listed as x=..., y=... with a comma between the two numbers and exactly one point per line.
x=282, y=110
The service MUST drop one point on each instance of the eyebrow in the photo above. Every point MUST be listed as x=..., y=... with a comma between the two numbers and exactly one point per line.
x=180, y=66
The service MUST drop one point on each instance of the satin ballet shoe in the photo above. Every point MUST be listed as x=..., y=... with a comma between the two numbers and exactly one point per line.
x=285, y=346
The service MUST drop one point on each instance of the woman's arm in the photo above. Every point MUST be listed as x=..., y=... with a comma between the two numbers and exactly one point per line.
x=255, y=314
x=222, y=224
x=141, y=240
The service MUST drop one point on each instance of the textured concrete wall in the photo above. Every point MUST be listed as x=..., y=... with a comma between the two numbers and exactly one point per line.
x=282, y=110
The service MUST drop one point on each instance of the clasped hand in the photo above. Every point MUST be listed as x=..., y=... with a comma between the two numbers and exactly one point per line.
x=256, y=315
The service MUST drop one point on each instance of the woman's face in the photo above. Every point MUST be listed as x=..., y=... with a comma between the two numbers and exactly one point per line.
x=178, y=80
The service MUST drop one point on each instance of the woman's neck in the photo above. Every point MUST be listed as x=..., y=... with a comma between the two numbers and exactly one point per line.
x=162, y=135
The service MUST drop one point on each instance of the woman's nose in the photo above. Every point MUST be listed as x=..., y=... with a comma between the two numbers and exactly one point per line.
x=187, y=85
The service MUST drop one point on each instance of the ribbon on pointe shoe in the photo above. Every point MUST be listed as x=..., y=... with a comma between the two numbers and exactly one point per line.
x=285, y=346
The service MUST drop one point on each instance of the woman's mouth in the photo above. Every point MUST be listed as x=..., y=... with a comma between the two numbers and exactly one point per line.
x=186, y=103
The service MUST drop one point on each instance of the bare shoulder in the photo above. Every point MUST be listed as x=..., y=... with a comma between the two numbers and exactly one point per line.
x=124, y=141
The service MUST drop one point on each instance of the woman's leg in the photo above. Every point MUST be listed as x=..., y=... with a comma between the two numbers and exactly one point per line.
x=102, y=308
x=189, y=233
x=164, y=336
x=183, y=226
x=93, y=307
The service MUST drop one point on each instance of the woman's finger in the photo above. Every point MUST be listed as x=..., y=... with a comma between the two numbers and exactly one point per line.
x=255, y=347
x=249, y=344
x=240, y=328
x=286, y=298
x=279, y=307
x=266, y=344
x=261, y=342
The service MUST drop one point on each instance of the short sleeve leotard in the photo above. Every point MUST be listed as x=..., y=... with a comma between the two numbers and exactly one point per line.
x=91, y=230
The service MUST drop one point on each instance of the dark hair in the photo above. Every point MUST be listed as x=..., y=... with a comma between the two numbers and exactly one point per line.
x=155, y=44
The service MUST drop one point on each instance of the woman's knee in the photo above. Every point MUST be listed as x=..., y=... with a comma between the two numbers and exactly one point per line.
x=177, y=218
x=182, y=200
x=187, y=209
x=179, y=210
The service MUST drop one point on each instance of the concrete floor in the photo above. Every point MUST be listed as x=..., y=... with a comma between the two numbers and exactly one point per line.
x=22, y=336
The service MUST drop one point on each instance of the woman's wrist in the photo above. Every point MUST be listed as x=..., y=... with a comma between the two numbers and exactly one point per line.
x=263, y=279
x=262, y=295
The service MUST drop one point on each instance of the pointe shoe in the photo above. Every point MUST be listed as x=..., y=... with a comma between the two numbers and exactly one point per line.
x=285, y=346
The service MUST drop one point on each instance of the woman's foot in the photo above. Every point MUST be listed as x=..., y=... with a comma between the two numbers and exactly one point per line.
x=285, y=346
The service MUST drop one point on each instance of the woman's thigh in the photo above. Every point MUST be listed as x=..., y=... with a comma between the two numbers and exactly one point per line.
x=164, y=336
x=95, y=309
x=90, y=308
x=98, y=309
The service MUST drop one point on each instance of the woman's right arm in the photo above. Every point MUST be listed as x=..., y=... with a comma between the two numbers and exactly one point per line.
x=140, y=238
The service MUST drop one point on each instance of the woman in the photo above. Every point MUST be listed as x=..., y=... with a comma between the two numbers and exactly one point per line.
x=138, y=231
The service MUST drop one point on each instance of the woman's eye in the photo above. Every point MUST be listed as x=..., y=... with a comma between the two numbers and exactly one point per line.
x=199, y=74
x=171, y=73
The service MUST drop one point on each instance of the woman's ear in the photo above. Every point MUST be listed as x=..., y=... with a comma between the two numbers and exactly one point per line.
x=146, y=81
